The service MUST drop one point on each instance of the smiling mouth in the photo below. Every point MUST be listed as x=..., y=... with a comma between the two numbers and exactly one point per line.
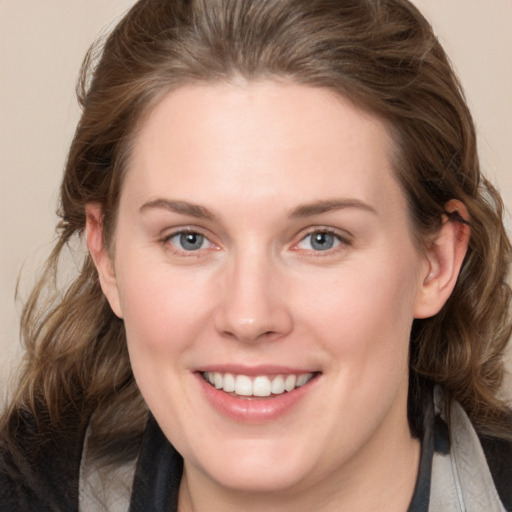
x=260, y=386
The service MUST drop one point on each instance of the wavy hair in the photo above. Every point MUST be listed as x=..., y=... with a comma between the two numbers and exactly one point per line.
x=381, y=54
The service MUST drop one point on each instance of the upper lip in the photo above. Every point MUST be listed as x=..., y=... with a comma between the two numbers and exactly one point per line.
x=255, y=370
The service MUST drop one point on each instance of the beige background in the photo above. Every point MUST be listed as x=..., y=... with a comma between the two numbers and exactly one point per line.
x=42, y=43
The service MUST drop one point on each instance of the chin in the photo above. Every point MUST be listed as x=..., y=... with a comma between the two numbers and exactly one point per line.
x=258, y=479
x=255, y=466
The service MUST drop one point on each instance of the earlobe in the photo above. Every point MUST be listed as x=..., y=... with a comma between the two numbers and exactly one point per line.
x=445, y=256
x=100, y=256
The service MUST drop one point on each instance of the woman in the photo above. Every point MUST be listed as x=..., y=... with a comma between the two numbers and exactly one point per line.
x=294, y=296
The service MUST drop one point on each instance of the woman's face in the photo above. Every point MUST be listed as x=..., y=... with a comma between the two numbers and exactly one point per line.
x=263, y=245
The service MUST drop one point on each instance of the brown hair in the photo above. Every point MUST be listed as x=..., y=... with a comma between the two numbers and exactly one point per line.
x=383, y=55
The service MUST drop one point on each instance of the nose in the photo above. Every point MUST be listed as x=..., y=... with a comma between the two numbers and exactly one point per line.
x=253, y=303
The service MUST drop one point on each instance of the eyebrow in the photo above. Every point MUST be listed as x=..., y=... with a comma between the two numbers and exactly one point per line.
x=301, y=211
x=319, y=207
x=181, y=207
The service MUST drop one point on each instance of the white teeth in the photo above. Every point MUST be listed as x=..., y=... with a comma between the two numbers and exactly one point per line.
x=243, y=385
x=301, y=380
x=289, y=383
x=278, y=385
x=260, y=385
x=229, y=383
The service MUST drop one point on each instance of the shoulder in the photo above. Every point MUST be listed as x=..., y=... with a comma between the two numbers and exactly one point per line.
x=468, y=468
x=498, y=453
x=39, y=470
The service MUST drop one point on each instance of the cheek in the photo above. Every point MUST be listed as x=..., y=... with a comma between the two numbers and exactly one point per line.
x=161, y=308
x=162, y=314
x=365, y=314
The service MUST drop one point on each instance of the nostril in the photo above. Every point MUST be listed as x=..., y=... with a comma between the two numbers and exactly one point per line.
x=249, y=336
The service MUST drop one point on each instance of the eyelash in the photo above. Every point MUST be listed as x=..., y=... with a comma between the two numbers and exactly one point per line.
x=166, y=241
x=340, y=242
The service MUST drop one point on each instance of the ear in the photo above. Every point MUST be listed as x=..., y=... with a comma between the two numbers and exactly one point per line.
x=100, y=256
x=444, y=260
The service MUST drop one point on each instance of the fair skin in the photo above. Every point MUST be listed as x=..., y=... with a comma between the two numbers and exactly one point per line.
x=262, y=236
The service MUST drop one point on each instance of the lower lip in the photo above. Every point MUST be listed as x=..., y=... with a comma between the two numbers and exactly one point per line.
x=257, y=410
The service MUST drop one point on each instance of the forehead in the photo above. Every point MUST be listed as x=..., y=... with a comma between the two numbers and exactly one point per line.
x=260, y=139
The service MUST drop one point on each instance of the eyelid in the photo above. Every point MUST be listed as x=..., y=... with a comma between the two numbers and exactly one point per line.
x=343, y=237
x=164, y=239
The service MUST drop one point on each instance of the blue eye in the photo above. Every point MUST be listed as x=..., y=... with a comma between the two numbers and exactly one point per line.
x=188, y=241
x=320, y=241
